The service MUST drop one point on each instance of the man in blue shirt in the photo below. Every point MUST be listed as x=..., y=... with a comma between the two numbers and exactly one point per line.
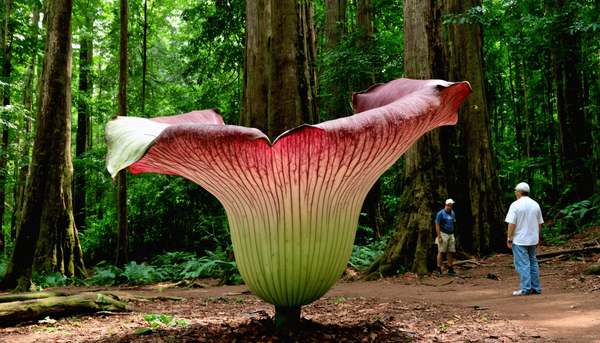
x=444, y=226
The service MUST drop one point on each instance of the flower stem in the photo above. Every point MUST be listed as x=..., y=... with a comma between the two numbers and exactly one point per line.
x=287, y=320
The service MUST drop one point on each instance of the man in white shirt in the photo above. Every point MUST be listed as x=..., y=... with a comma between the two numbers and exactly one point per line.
x=524, y=230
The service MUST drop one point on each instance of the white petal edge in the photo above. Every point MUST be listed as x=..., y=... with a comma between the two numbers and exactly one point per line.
x=128, y=139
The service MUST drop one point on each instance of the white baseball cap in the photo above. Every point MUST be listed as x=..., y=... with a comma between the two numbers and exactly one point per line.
x=522, y=187
x=449, y=201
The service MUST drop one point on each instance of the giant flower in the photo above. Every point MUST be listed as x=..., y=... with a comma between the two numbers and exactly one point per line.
x=292, y=204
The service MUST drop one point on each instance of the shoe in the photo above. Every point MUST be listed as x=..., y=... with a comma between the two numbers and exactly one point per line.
x=438, y=273
x=535, y=292
x=452, y=273
x=520, y=292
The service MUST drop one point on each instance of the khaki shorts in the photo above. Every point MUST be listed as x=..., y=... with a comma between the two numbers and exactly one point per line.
x=448, y=244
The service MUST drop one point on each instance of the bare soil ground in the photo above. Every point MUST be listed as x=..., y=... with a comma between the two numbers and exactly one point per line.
x=478, y=306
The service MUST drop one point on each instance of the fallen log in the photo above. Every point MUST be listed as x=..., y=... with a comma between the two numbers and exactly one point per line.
x=30, y=296
x=58, y=306
x=552, y=258
x=570, y=251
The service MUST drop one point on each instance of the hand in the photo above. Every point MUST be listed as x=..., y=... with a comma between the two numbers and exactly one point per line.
x=440, y=239
x=509, y=245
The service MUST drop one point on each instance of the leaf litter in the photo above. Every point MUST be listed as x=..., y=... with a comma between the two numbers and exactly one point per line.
x=218, y=314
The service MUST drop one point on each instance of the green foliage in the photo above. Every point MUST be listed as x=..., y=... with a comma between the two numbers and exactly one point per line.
x=575, y=217
x=579, y=210
x=337, y=301
x=141, y=274
x=42, y=281
x=171, y=266
x=211, y=266
x=363, y=256
x=3, y=266
x=105, y=275
x=157, y=321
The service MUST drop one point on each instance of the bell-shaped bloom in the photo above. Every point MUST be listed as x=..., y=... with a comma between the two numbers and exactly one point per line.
x=292, y=205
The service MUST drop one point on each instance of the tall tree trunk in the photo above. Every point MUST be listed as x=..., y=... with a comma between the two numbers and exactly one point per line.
x=144, y=54
x=527, y=119
x=28, y=105
x=424, y=185
x=255, y=96
x=573, y=129
x=279, y=74
x=335, y=28
x=517, y=117
x=372, y=207
x=47, y=238
x=81, y=142
x=365, y=12
x=480, y=217
x=5, y=131
x=122, y=230
x=279, y=81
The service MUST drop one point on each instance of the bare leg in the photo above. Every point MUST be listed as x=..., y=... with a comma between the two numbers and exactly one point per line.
x=449, y=258
x=440, y=259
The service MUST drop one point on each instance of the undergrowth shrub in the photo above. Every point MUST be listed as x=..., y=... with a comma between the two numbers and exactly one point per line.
x=170, y=266
x=576, y=217
x=141, y=274
x=3, y=266
x=363, y=255
x=105, y=275
x=212, y=266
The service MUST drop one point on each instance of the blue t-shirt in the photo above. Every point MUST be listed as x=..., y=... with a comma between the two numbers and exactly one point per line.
x=446, y=221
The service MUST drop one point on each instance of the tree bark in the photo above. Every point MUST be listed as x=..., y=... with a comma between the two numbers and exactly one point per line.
x=424, y=185
x=527, y=121
x=81, y=142
x=47, y=239
x=517, y=117
x=6, y=67
x=28, y=105
x=574, y=131
x=365, y=12
x=372, y=207
x=122, y=229
x=335, y=28
x=279, y=78
x=256, y=65
x=480, y=216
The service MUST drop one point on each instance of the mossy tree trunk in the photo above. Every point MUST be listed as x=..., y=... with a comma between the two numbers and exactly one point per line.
x=472, y=180
x=279, y=78
x=424, y=184
x=47, y=239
